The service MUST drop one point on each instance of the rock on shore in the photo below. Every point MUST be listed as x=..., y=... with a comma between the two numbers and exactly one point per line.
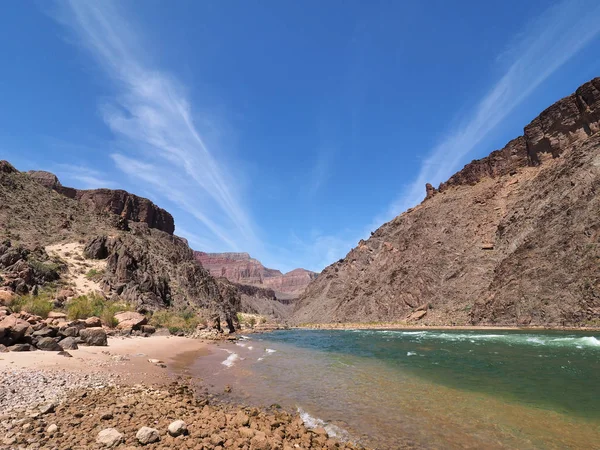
x=172, y=417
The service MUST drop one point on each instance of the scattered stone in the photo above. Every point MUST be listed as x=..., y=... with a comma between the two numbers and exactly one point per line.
x=56, y=315
x=93, y=322
x=146, y=435
x=148, y=329
x=69, y=343
x=130, y=320
x=110, y=437
x=20, y=348
x=48, y=344
x=48, y=408
x=106, y=416
x=177, y=428
x=52, y=429
x=162, y=332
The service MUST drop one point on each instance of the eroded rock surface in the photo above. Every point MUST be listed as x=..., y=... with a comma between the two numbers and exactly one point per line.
x=511, y=239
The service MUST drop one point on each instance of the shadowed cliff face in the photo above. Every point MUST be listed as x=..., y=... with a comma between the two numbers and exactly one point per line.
x=241, y=268
x=126, y=205
x=511, y=239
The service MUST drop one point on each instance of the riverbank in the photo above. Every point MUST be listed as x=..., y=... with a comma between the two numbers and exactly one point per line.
x=53, y=401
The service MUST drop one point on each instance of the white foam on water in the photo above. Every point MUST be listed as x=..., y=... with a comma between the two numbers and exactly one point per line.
x=245, y=338
x=240, y=344
x=250, y=347
x=411, y=353
x=260, y=359
x=579, y=342
x=314, y=422
x=231, y=359
x=270, y=350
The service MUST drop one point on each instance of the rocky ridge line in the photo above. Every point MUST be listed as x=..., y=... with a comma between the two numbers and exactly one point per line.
x=122, y=203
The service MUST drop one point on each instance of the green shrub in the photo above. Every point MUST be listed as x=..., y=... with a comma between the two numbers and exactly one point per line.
x=84, y=306
x=94, y=274
x=38, y=305
x=47, y=271
x=108, y=317
x=175, y=321
x=93, y=305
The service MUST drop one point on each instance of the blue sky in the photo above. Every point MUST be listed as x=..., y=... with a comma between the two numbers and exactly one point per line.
x=286, y=129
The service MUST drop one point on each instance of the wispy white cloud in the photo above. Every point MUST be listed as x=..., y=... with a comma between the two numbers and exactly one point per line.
x=549, y=42
x=83, y=177
x=151, y=117
x=321, y=170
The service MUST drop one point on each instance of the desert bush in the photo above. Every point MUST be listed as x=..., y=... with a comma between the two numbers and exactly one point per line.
x=176, y=321
x=94, y=274
x=94, y=305
x=38, y=305
x=47, y=271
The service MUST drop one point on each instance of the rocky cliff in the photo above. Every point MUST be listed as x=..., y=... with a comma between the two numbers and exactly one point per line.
x=511, y=239
x=241, y=268
x=146, y=265
x=127, y=206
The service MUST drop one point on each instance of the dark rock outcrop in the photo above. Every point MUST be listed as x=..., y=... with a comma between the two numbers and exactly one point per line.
x=511, y=239
x=125, y=205
x=569, y=120
x=128, y=206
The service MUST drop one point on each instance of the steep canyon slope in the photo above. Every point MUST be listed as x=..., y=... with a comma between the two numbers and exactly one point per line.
x=511, y=239
x=146, y=264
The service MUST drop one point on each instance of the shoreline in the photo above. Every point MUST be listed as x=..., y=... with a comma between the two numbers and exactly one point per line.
x=397, y=326
x=133, y=385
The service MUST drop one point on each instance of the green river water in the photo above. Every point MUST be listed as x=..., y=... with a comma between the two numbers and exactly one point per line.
x=429, y=389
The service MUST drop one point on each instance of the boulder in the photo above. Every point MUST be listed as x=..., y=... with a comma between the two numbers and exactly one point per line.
x=109, y=437
x=45, y=332
x=17, y=327
x=96, y=248
x=70, y=332
x=130, y=320
x=68, y=343
x=148, y=329
x=6, y=297
x=146, y=435
x=20, y=348
x=417, y=315
x=3, y=348
x=56, y=315
x=93, y=322
x=177, y=428
x=93, y=336
x=48, y=344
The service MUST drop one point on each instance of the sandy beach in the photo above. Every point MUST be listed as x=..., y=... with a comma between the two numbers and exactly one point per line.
x=132, y=393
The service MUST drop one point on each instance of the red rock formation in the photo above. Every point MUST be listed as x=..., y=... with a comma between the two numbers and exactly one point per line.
x=122, y=203
x=293, y=282
x=243, y=269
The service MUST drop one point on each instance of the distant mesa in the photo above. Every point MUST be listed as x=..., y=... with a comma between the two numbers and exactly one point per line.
x=243, y=269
